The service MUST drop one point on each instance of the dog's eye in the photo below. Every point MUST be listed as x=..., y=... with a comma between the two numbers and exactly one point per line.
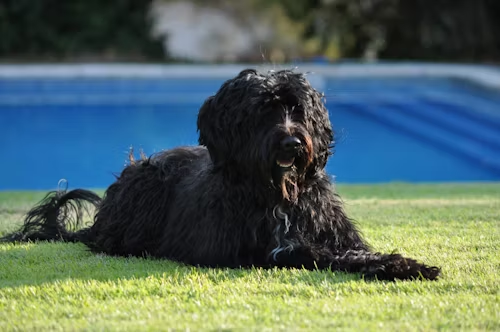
x=297, y=113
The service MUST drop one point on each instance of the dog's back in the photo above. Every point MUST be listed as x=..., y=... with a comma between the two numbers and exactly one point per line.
x=136, y=208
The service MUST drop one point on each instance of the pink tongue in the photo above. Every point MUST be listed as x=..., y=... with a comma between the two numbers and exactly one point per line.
x=286, y=163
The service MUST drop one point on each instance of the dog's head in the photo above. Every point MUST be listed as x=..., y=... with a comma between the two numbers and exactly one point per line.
x=272, y=127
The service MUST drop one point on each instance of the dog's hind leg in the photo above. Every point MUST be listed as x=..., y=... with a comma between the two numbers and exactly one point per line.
x=370, y=265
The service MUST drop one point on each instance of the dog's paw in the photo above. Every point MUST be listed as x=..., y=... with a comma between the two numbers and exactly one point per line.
x=393, y=267
x=429, y=272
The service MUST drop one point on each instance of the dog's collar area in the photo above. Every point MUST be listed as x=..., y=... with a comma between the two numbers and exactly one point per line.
x=279, y=214
x=283, y=244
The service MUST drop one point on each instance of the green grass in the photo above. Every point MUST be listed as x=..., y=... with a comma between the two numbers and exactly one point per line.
x=57, y=286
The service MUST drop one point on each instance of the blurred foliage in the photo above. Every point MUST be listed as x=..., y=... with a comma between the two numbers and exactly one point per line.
x=459, y=30
x=444, y=30
x=402, y=29
x=81, y=29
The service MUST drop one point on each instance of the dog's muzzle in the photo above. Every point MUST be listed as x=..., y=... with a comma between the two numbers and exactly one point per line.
x=289, y=148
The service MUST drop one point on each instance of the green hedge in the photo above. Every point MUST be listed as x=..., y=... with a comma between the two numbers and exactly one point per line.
x=461, y=30
x=447, y=30
x=65, y=29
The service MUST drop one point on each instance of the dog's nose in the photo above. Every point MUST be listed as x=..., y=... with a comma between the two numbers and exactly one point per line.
x=290, y=143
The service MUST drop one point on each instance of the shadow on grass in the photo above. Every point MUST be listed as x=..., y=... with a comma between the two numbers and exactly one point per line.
x=34, y=264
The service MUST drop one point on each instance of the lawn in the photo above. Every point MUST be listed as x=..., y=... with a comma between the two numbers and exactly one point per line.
x=58, y=286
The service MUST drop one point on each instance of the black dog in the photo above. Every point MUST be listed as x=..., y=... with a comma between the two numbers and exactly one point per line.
x=255, y=193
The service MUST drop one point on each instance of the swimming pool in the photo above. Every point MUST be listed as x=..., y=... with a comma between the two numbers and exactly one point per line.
x=394, y=128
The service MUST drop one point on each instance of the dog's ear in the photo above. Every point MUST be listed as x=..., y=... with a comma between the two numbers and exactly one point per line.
x=322, y=131
x=219, y=114
x=210, y=130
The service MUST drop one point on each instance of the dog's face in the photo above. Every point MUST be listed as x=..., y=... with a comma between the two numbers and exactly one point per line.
x=272, y=126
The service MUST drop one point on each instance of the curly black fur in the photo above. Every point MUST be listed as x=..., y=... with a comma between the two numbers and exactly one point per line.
x=254, y=193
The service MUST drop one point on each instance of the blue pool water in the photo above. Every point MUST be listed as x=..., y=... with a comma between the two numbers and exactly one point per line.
x=418, y=130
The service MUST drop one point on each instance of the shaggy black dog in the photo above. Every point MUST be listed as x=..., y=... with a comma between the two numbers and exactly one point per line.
x=254, y=193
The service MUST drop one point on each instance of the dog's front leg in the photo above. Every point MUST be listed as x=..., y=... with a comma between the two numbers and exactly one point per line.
x=370, y=265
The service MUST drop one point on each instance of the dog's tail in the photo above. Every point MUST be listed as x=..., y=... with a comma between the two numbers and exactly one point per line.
x=57, y=217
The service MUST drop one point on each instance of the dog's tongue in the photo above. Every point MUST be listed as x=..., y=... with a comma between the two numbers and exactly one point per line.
x=285, y=162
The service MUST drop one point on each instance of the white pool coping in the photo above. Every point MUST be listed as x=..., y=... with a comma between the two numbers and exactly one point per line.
x=487, y=76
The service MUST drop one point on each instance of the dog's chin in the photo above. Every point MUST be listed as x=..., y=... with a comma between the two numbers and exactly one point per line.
x=284, y=168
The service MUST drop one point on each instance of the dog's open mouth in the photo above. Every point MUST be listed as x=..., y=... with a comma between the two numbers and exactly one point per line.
x=285, y=163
